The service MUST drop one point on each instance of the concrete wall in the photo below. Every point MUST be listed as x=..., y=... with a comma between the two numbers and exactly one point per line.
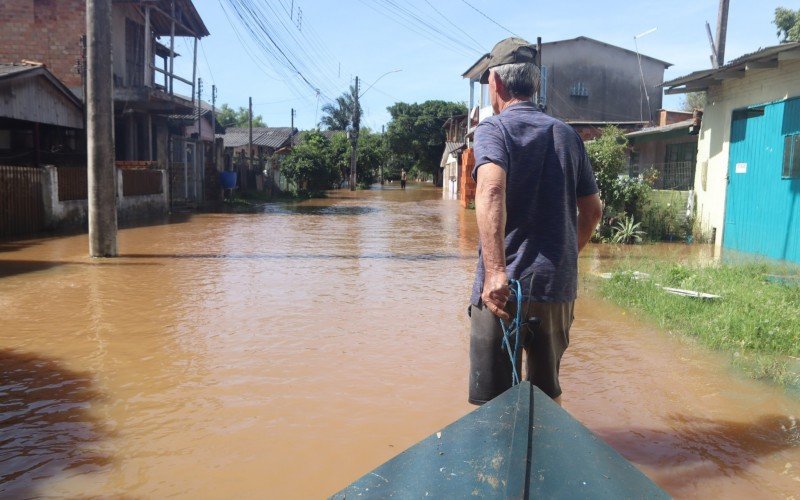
x=611, y=78
x=74, y=213
x=757, y=87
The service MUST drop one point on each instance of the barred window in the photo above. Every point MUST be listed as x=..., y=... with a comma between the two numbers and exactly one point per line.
x=791, y=157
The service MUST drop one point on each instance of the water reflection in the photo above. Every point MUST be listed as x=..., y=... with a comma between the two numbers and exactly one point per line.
x=233, y=354
x=49, y=426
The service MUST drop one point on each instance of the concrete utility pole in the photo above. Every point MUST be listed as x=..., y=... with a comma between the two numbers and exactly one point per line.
x=100, y=131
x=354, y=139
x=292, y=120
x=214, y=125
x=722, y=30
x=250, y=119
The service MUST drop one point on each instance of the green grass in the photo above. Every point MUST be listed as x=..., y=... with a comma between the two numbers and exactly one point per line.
x=756, y=320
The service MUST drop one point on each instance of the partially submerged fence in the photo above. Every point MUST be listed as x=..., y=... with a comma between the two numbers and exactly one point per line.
x=21, y=205
x=141, y=182
x=72, y=183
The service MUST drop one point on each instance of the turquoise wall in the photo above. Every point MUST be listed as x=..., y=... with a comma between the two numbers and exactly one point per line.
x=762, y=213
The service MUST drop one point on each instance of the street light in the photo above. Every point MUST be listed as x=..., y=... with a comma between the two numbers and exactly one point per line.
x=376, y=81
x=357, y=125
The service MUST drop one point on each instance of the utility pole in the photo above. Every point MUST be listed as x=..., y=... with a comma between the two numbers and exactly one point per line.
x=293, y=120
x=100, y=131
x=250, y=119
x=202, y=152
x=722, y=30
x=354, y=139
x=214, y=125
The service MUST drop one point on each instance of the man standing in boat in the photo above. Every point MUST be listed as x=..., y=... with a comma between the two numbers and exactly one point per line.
x=537, y=205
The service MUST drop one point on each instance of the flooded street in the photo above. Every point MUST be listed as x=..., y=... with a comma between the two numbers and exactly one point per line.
x=284, y=354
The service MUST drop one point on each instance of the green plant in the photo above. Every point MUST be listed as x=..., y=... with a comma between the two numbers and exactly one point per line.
x=627, y=231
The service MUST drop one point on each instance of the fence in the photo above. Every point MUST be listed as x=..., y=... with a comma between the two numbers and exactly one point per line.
x=141, y=182
x=72, y=183
x=21, y=200
x=672, y=176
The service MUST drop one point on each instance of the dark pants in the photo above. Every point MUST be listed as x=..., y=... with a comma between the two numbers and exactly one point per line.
x=544, y=344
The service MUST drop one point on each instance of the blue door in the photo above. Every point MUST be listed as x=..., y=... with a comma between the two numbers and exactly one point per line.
x=762, y=213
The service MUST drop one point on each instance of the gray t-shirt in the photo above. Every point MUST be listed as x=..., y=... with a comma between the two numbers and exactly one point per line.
x=546, y=171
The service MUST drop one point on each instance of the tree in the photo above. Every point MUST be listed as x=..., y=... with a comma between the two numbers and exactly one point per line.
x=309, y=165
x=228, y=117
x=415, y=132
x=607, y=154
x=339, y=114
x=788, y=23
x=694, y=100
x=372, y=154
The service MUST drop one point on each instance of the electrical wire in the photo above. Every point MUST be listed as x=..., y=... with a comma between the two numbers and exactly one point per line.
x=489, y=18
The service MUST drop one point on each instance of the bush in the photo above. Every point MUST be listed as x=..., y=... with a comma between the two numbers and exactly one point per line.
x=309, y=167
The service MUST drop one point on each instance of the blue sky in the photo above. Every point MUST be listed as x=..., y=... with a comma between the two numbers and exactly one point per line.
x=338, y=40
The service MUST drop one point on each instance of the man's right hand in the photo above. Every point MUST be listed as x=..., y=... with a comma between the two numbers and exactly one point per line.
x=496, y=293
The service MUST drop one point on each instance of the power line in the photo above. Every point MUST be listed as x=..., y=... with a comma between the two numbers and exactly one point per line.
x=489, y=18
x=456, y=26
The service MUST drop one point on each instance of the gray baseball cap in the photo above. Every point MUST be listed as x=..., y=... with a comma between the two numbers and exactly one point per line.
x=509, y=51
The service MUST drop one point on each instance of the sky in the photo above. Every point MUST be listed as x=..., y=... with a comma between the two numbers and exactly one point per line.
x=416, y=50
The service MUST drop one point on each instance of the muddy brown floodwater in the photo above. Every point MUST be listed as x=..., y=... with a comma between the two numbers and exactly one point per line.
x=283, y=354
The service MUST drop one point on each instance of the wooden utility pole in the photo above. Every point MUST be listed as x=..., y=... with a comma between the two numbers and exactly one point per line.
x=292, y=120
x=354, y=139
x=722, y=30
x=250, y=142
x=100, y=131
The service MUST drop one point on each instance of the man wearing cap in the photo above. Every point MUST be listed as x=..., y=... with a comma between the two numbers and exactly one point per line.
x=537, y=205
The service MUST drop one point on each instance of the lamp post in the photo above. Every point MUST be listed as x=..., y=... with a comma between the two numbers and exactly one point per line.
x=357, y=126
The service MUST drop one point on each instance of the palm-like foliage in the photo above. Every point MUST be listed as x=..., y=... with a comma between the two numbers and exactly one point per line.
x=339, y=114
x=626, y=231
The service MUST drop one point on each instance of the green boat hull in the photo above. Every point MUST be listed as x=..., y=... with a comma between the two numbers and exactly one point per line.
x=519, y=445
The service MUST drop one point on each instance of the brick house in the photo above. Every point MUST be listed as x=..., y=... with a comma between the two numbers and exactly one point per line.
x=146, y=89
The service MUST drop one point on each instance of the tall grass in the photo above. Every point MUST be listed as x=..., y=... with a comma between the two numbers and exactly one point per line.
x=756, y=320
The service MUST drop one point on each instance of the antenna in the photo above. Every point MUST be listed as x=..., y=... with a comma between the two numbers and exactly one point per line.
x=641, y=73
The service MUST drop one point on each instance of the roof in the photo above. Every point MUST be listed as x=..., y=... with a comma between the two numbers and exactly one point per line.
x=761, y=59
x=475, y=71
x=449, y=148
x=598, y=42
x=663, y=129
x=271, y=137
x=20, y=76
x=189, y=21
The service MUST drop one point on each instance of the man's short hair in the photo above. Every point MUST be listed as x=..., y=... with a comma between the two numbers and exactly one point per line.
x=520, y=79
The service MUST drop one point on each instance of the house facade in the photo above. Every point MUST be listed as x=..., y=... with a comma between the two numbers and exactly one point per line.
x=144, y=39
x=748, y=157
x=668, y=151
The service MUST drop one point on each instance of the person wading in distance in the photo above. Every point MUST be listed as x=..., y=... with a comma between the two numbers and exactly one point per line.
x=537, y=205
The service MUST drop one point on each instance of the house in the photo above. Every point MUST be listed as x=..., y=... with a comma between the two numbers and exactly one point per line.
x=589, y=84
x=748, y=156
x=669, y=149
x=194, y=173
x=455, y=135
x=584, y=82
x=144, y=38
x=41, y=120
x=269, y=145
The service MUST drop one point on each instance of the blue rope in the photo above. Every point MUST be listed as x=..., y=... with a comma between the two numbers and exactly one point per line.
x=514, y=329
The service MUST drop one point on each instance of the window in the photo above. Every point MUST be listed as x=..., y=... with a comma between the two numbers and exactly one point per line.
x=791, y=157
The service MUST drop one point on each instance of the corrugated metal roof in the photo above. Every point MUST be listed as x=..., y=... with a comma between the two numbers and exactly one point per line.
x=13, y=69
x=706, y=77
x=659, y=130
x=271, y=137
x=449, y=148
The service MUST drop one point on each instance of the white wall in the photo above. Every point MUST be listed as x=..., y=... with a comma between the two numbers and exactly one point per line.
x=757, y=87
